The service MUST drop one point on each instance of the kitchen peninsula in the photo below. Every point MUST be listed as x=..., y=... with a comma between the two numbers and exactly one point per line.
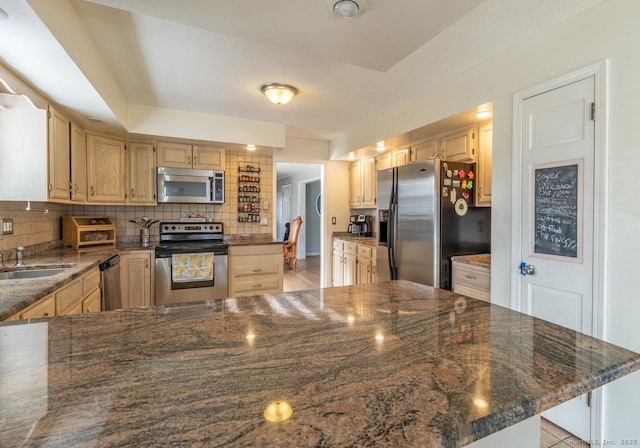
x=383, y=364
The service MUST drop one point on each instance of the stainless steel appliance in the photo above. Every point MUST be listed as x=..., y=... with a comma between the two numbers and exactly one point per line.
x=191, y=262
x=360, y=225
x=190, y=186
x=426, y=216
x=110, y=281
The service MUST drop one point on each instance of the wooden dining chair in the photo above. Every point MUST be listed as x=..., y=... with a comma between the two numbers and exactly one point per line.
x=290, y=248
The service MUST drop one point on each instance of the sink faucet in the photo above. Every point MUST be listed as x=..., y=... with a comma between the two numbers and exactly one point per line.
x=19, y=252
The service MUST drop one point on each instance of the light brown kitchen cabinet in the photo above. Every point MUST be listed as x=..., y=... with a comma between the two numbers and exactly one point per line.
x=42, y=308
x=78, y=164
x=255, y=269
x=69, y=299
x=92, y=304
x=362, y=183
x=485, y=160
x=471, y=280
x=345, y=268
x=338, y=263
x=424, y=150
x=142, y=173
x=106, y=173
x=366, y=264
x=59, y=156
x=459, y=145
x=136, y=278
x=182, y=155
x=393, y=158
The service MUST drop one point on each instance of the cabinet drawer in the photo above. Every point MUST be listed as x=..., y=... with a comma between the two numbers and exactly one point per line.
x=256, y=265
x=472, y=292
x=43, y=308
x=472, y=276
x=90, y=281
x=258, y=284
x=338, y=245
x=350, y=248
x=68, y=297
x=365, y=251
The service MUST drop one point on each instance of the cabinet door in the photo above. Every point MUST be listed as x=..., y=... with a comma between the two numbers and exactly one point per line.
x=176, y=155
x=369, y=177
x=69, y=299
x=91, y=303
x=106, y=169
x=350, y=269
x=208, y=158
x=338, y=268
x=425, y=150
x=355, y=184
x=59, y=156
x=142, y=178
x=400, y=157
x=459, y=145
x=135, y=279
x=42, y=308
x=383, y=161
x=78, y=164
x=484, y=174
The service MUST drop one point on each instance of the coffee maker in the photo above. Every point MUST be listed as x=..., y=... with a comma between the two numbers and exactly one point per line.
x=360, y=225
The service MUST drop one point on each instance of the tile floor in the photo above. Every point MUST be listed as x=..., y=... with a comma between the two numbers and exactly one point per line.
x=556, y=437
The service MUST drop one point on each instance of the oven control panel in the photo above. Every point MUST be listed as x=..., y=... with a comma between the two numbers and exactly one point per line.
x=191, y=227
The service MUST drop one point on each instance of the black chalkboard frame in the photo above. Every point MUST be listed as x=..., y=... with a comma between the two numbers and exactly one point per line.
x=579, y=187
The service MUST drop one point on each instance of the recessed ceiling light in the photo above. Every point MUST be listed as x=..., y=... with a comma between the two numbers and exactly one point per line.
x=380, y=146
x=3, y=14
x=251, y=147
x=483, y=114
x=346, y=9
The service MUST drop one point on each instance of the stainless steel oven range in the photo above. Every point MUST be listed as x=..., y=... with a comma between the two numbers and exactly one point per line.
x=191, y=262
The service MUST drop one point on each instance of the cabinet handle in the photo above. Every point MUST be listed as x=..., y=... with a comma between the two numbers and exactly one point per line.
x=258, y=285
x=76, y=187
x=188, y=160
x=46, y=314
x=70, y=187
x=146, y=264
x=257, y=270
x=472, y=277
x=133, y=195
x=195, y=160
x=92, y=191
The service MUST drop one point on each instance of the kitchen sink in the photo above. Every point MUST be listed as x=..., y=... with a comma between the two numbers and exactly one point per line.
x=30, y=273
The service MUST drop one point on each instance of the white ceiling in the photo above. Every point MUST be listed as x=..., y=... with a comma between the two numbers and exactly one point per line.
x=212, y=56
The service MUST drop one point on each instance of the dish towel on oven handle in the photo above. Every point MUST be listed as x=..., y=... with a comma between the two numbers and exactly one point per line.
x=192, y=267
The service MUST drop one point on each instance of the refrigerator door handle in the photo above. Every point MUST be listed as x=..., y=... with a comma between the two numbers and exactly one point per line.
x=393, y=267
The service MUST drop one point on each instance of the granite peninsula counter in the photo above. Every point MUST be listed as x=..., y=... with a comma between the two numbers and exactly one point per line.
x=387, y=364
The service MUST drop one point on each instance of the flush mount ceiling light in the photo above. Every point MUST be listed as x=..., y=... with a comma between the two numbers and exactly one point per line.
x=483, y=114
x=380, y=146
x=346, y=9
x=251, y=147
x=279, y=93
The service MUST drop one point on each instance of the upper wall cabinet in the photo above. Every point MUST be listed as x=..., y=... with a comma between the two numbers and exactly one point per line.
x=362, y=181
x=459, y=145
x=424, y=150
x=180, y=155
x=395, y=157
x=485, y=161
x=23, y=150
x=78, y=164
x=106, y=173
x=59, y=157
x=142, y=176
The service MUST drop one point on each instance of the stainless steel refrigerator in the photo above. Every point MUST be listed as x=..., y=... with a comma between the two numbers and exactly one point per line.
x=426, y=216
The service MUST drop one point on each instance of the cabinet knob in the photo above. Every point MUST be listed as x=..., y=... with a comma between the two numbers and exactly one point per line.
x=92, y=191
x=257, y=270
x=133, y=195
x=188, y=160
x=195, y=159
x=258, y=285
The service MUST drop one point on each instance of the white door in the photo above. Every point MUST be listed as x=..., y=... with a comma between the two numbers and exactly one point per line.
x=557, y=220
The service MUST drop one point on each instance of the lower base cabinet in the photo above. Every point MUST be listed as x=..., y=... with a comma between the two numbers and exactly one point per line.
x=137, y=278
x=79, y=296
x=471, y=280
x=353, y=264
x=255, y=269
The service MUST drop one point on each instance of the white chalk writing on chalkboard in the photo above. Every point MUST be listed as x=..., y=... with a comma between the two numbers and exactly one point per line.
x=556, y=211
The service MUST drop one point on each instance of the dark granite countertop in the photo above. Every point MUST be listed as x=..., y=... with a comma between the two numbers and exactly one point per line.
x=388, y=364
x=482, y=260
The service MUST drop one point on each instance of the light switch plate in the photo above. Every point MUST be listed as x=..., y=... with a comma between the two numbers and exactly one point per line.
x=7, y=226
x=263, y=221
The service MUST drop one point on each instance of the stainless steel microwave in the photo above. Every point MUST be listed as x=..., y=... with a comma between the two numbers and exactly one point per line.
x=189, y=186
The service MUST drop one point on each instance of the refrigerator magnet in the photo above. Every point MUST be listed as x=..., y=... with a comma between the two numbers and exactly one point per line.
x=449, y=173
x=470, y=184
x=456, y=184
x=453, y=196
x=464, y=184
x=455, y=173
x=461, y=207
x=445, y=192
x=462, y=174
x=446, y=182
x=470, y=175
x=466, y=195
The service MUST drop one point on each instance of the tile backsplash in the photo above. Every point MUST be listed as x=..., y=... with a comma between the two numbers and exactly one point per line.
x=37, y=231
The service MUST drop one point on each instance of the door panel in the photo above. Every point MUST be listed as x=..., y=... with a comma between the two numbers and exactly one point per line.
x=558, y=131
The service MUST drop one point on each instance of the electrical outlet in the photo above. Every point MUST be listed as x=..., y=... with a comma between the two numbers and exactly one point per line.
x=7, y=226
x=333, y=220
x=263, y=221
x=265, y=205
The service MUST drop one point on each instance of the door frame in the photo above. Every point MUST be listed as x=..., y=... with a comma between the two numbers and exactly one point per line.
x=600, y=71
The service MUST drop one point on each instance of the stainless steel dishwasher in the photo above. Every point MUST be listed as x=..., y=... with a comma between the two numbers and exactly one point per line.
x=110, y=278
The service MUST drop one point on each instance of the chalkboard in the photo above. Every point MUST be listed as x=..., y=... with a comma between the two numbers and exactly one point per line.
x=556, y=211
